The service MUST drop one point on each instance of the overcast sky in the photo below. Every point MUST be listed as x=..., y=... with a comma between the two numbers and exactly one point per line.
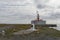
x=23, y=11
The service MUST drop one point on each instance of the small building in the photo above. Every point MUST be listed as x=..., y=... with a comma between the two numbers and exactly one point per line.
x=38, y=21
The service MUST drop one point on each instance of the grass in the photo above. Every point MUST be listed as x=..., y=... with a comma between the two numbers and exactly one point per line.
x=45, y=31
x=15, y=28
x=41, y=30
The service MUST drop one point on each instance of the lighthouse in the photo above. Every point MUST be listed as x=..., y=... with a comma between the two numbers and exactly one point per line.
x=37, y=16
x=38, y=20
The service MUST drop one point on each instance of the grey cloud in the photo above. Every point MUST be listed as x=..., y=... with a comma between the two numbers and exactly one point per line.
x=58, y=7
x=13, y=0
x=56, y=15
x=52, y=16
x=6, y=3
x=44, y=6
x=14, y=14
x=40, y=6
x=16, y=19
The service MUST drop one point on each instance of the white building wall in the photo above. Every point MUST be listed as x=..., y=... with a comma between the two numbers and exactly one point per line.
x=38, y=22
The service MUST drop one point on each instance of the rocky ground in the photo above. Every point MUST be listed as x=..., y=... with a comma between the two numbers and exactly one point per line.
x=30, y=37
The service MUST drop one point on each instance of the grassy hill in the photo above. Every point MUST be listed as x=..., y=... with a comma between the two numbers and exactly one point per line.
x=40, y=31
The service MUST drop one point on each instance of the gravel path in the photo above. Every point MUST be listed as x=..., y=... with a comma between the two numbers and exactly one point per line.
x=24, y=31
